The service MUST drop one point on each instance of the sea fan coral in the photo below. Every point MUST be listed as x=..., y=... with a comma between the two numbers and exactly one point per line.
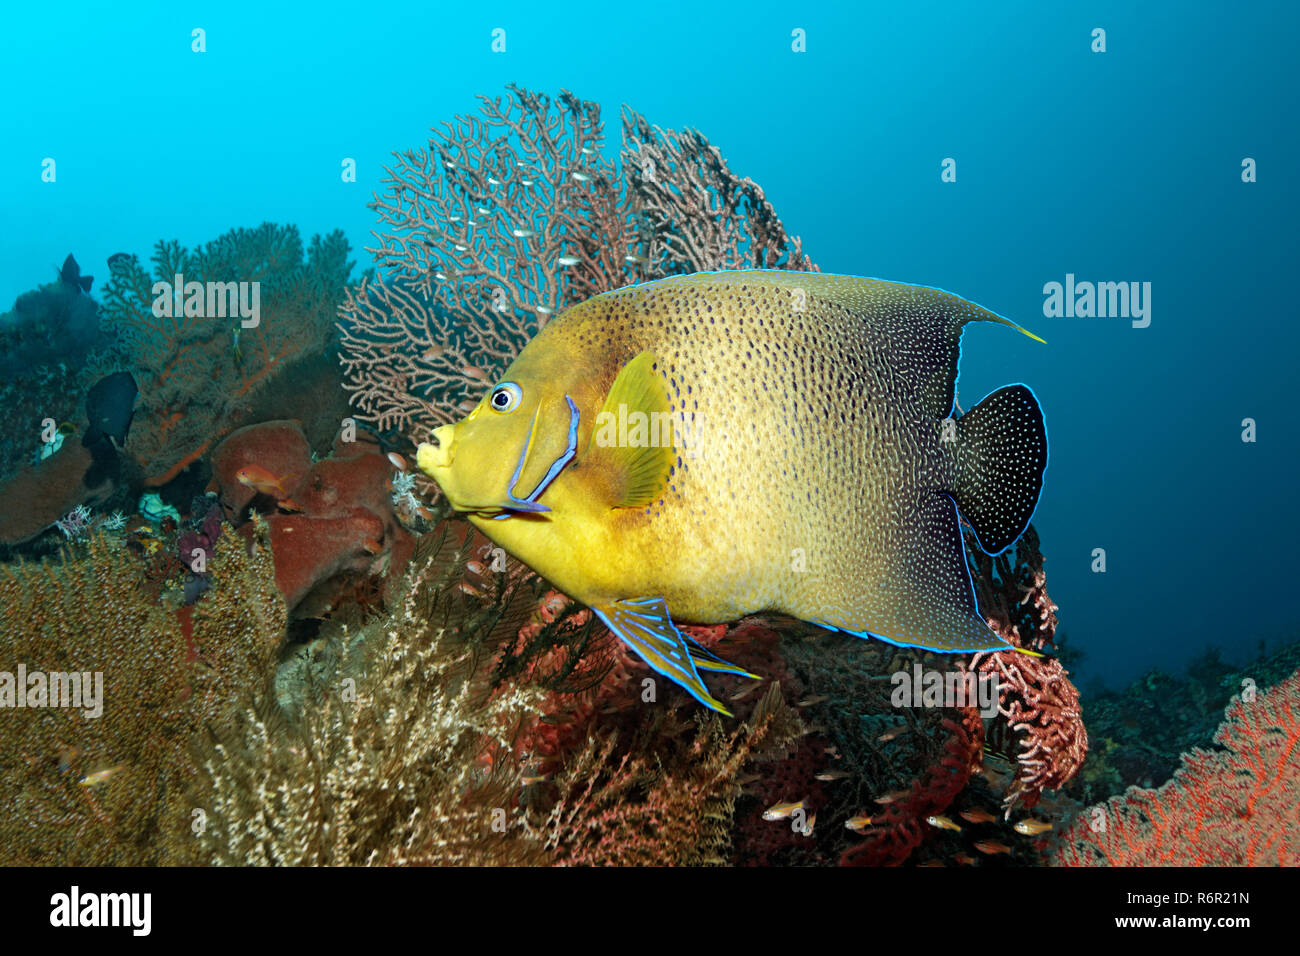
x=1234, y=806
x=1040, y=705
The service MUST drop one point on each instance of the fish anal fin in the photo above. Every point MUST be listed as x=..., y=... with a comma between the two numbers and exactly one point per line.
x=632, y=438
x=928, y=600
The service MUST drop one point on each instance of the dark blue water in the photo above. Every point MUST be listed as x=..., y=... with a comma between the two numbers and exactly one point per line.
x=1123, y=166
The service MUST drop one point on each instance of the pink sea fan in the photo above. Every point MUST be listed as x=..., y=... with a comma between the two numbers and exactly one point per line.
x=1234, y=806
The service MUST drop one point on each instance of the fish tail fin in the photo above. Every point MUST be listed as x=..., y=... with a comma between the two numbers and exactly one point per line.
x=1001, y=456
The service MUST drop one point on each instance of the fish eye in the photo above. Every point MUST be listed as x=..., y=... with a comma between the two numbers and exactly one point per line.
x=505, y=397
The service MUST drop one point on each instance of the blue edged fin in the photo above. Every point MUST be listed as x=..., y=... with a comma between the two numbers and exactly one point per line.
x=644, y=625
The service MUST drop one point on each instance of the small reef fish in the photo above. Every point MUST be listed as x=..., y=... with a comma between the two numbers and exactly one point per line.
x=746, y=690
x=858, y=823
x=826, y=776
x=567, y=261
x=977, y=815
x=656, y=452
x=813, y=701
x=67, y=754
x=892, y=733
x=991, y=847
x=581, y=177
x=940, y=822
x=70, y=275
x=965, y=859
x=523, y=233
x=1032, y=827
x=99, y=776
x=265, y=483
x=782, y=811
x=892, y=797
x=262, y=481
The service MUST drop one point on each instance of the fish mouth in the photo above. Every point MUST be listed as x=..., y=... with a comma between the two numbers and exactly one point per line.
x=435, y=459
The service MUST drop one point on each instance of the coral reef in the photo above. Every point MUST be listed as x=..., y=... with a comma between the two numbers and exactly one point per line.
x=1143, y=730
x=432, y=701
x=338, y=515
x=1040, y=705
x=48, y=343
x=1232, y=806
x=108, y=789
x=381, y=763
x=48, y=490
x=199, y=369
x=667, y=796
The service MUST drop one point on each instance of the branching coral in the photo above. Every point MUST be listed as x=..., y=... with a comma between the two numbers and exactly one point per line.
x=667, y=796
x=107, y=790
x=199, y=372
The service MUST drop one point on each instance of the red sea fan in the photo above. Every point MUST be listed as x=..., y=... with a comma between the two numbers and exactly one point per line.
x=1237, y=806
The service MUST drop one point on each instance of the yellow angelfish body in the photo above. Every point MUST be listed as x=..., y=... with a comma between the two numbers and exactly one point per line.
x=708, y=446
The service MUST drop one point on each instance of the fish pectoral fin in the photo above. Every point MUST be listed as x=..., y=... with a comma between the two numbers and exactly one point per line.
x=644, y=625
x=632, y=441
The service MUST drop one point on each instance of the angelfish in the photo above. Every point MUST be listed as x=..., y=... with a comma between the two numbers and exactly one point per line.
x=703, y=447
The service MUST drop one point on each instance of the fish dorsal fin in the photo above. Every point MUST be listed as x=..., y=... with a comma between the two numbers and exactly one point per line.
x=632, y=438
x=921, y=326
